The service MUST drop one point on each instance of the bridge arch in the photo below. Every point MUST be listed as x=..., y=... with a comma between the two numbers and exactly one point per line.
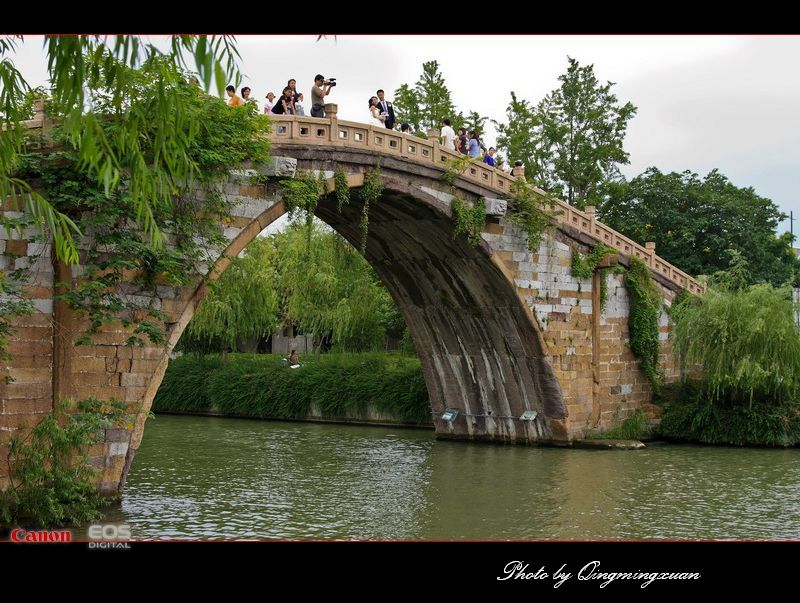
x=481, y=349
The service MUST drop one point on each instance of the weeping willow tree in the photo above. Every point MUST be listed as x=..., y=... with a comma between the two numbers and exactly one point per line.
x=744, y=338
x=331, y=292
x=306, y=276
x=243, y=303
x=146, y=151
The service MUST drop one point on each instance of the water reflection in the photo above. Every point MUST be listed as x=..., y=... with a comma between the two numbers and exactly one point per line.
x=225, y=478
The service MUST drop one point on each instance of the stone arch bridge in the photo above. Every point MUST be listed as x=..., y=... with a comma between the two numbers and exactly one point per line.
x=502, y=333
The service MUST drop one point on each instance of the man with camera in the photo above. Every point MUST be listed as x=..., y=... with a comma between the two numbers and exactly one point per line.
x=319, y=91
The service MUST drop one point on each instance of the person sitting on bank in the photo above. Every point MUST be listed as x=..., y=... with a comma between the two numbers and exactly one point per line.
x=294, y=360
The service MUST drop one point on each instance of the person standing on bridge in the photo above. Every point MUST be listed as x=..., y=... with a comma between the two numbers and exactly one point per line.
x=386, y=110
x=246, y=97
x=270, y=102
x=473, y=146
x=376, y=118
x=319, y=91
x=298, y=104
x=462, y=142
x=448, y=136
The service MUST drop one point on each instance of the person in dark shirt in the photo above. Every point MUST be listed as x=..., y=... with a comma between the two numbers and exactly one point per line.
x=461, y=141
x=284, y=105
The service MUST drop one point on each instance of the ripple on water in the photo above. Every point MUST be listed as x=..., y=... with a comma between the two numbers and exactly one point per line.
x=213, y=478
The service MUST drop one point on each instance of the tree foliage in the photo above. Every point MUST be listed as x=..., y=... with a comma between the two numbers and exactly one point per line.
x=744, y=338
x=94, y=85
x=241, y=304
x=50, y=473
x=312, y=279
x=574, y=136
x=429, y=102
x=695, y=223
x=225, y=137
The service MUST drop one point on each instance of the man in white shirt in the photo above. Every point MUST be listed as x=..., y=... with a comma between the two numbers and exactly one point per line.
x=448, y=136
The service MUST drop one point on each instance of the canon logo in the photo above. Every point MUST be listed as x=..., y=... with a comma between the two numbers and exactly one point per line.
x=20, y=535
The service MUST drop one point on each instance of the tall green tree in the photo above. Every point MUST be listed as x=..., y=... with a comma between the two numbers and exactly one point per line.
x=696, y=222
x=91, y=80
x=429, y=102
x=473, y=121
x=330, y=291
x=426, y=104
x=746, y=341
x=576, y=137
x=522, y=139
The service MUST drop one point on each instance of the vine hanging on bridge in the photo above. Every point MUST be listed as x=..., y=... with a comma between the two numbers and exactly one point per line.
x=528, y=209
x=371, y=191
x=342, y=189
x=645, y=310
x=585, y=267
x=469, y=220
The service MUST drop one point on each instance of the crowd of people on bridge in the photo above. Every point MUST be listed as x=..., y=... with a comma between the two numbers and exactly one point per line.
x=381, y=113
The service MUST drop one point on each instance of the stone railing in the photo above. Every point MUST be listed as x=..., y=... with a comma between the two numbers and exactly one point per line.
x=330, y=131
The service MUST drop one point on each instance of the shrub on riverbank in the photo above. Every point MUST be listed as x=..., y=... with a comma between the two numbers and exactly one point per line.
x=693, y=417
x=744, y=340
x=339, y=385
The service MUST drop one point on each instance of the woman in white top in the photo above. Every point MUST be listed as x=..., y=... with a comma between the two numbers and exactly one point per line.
x=375, y=117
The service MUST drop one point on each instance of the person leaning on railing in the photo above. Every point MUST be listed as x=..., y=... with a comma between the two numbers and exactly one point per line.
x=284, y=104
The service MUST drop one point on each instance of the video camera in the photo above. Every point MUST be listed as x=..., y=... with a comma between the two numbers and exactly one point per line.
x=331, y=81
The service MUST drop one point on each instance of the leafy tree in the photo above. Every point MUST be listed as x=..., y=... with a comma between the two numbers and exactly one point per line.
x=225, y=137
x=243, y=303
x=306, y=276
x=330, y=291
x=576, y=135
x=92, y=80
x=695, y=223
x=407, y=107
x=428, y=103
x=522, y=140
x=744, y=338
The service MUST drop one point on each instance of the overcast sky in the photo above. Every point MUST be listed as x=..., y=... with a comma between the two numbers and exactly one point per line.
x=704, y=102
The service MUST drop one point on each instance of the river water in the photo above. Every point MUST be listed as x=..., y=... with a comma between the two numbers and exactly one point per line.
x=216, y=478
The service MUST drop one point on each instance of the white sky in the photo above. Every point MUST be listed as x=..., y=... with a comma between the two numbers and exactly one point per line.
x=730, y=102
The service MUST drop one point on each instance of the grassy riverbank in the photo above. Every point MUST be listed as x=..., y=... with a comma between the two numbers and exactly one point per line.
x=261, y=385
